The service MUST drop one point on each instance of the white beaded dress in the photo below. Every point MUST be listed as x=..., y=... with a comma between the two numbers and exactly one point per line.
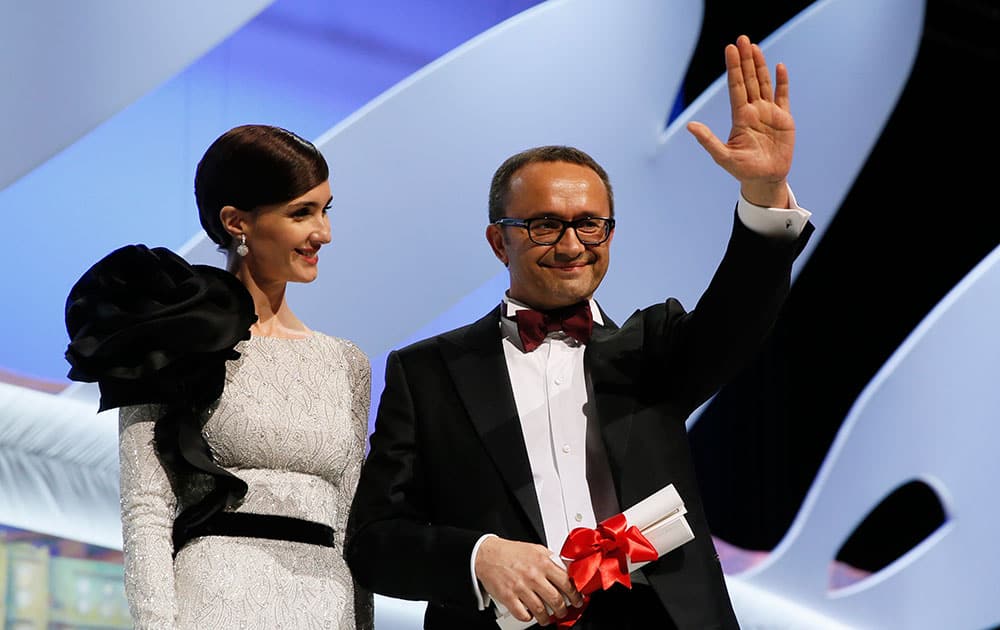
x=292, y=423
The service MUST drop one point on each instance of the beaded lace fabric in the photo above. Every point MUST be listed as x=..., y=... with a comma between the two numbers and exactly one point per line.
x=292, y=422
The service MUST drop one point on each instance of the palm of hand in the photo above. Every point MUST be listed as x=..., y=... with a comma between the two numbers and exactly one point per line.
x=760, y=142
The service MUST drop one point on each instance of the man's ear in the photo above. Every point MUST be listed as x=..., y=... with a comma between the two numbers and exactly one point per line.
x=233, y=220
x=494, y=235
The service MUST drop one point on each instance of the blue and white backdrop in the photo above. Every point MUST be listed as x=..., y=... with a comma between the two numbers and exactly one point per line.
x=849, y=472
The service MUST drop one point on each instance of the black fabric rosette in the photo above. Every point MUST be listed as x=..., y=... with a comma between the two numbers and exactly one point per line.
x=148, y=327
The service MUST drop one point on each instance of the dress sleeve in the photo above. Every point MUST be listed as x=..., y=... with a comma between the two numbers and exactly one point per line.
x=360, y=368
x=148, y=506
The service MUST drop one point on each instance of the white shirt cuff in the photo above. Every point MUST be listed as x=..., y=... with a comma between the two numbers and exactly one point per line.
x=774, y=222
x=483, y=598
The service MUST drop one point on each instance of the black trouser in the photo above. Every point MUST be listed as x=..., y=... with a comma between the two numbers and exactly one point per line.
x=619, y=608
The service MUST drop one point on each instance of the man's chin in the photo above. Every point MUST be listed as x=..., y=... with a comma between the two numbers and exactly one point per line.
x=567, y=298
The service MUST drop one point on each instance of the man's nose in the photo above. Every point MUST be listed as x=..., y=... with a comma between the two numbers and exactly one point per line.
x=569, y=244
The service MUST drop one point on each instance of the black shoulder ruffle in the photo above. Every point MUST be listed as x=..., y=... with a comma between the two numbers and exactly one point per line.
x=148, y=327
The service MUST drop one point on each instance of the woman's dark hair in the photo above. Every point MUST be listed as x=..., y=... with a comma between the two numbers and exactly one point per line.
x=251, y=166
x=500, y=186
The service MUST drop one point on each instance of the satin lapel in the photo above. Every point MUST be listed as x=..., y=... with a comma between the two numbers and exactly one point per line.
x=614, y=372
x=474, y=357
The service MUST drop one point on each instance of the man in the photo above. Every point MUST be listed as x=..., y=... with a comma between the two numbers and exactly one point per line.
x=490, y=447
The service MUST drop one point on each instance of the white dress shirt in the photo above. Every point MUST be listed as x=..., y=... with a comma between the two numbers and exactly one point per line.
x=551, y=393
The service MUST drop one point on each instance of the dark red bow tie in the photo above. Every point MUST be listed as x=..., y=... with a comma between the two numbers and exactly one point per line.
x=532, y=326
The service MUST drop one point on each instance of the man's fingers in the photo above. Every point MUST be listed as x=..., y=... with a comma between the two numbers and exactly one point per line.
x=734, y=78
x=566, y=593
x=535, y=608
x=763, y=76
x=748, y=68
x=520, y=610
x=547, y=593
x=555, y=590
x=700, y=131
x=544, y=601
x=524, y=604
x=556, y=605
x=715, y=147
x=781, y=91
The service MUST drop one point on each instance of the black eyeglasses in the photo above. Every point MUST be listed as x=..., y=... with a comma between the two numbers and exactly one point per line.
x=548, y=230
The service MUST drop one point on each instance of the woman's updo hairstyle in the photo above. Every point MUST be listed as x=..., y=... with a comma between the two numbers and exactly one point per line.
x=251, y=166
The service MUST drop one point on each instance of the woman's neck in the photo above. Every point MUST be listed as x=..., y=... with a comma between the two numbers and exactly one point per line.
x=274, y=317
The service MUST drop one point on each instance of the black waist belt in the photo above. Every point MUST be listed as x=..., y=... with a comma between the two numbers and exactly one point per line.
x=261, y=526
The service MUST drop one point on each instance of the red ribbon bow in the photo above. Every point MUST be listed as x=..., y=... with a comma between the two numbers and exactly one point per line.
x=598, y=558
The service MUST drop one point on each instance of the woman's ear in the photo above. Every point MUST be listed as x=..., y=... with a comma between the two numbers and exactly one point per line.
x=233, y=220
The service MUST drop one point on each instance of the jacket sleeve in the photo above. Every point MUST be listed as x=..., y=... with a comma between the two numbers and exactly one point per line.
x=698, y=351
x=392, y=547
x=360, y=369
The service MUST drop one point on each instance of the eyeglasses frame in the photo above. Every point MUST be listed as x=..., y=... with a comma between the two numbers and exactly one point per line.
x=609, y=226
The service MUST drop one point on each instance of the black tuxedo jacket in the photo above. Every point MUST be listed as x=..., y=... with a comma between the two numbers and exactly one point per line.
x=448, y=462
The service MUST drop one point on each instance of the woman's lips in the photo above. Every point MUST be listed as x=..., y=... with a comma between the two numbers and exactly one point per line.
x=310, y=257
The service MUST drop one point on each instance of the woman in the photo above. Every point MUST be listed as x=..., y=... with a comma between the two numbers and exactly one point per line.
x=233, y=505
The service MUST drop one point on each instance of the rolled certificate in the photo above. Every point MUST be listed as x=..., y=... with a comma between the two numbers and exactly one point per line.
x=660, y=518
x=597, y=558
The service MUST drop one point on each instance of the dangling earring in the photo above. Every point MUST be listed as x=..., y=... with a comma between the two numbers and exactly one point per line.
x=242, y=248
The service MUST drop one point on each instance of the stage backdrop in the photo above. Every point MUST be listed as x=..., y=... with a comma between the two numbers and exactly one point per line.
x=844, y=471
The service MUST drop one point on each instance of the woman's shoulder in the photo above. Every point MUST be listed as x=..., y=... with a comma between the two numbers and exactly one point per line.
x=341, y=345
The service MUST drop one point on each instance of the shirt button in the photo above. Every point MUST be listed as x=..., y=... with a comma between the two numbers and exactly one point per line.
x=566, y=448
x=557, y=381
x=578, y=517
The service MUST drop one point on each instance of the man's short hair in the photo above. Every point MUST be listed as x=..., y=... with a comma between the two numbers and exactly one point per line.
x=500, y=186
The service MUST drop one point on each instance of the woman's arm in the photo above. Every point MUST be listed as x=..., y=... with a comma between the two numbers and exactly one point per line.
x=148, y=506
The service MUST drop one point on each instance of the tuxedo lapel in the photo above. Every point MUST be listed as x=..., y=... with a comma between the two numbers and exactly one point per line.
x=613, y=377
x=475, y=359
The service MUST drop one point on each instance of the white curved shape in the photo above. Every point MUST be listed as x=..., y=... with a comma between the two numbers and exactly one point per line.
x=398, y=614
x=763, y=609
x=410, y=171
x=938, y=391
x=58, y=467
x=57, y=51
